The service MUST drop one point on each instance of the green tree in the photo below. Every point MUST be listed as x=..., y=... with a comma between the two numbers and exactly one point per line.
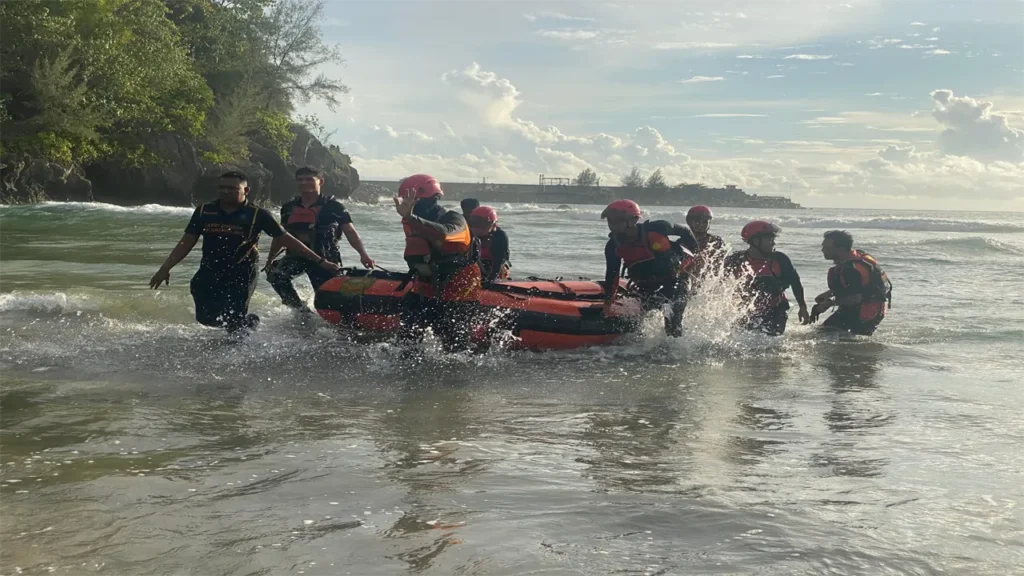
x=587, y=179
x=656, y=180
x=635, y=178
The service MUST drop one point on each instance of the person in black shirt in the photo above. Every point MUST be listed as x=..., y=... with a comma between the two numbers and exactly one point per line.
x=230, y=228
x=654, y=263
x=494, y=264
x=766, y=274
x=468, y=205
x=318, y=221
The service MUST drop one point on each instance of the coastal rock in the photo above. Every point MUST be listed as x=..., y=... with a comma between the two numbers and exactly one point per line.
x=340, y=178
x=26, y=179
x=169, y=183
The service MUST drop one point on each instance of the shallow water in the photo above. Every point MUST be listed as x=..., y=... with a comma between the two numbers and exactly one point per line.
x=134, y=441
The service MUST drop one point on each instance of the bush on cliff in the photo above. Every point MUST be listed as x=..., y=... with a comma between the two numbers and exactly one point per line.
x=107, y=80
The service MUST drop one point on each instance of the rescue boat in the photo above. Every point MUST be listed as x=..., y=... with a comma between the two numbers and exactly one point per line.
x=541, y=314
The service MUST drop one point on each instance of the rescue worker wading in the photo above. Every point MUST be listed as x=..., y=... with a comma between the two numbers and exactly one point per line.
x=766, y=275
x=857, y=285
x=710, y=248
x=442, y=258
x=654, y=264
x=230, y=228
x=318, y=222
x=494, y=264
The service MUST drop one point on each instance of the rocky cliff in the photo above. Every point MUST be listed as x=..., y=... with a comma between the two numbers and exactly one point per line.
x=181, y=178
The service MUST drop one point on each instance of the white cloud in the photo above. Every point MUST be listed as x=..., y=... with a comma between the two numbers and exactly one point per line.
x=938, y=52
x=556, y=16
x=699, y=79
x=809, y=57
x=972, y=129
x=568, y=35
x=692, y=45
x=729, y=115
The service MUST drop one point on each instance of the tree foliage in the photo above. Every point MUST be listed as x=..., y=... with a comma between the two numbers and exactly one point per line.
x=656, y=180
x=102, y=79
x=587, y=179
x=635, y=178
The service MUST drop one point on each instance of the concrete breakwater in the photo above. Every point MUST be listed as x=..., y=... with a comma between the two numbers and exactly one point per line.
x=730, y=196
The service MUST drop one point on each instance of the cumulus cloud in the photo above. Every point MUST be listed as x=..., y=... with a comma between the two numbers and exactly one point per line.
x=972, y=129
x=699, y=79
x=809, y=57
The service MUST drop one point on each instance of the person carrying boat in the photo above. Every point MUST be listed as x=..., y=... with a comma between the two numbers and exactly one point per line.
x=766, y=274
x=654, y=264
x=442, y=257
x=494, y=264
x=318, y=221
x=857, y=286
x=227, y=275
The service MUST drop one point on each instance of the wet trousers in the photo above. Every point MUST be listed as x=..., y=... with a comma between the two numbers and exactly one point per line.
x=283, y=271
x=222, y=295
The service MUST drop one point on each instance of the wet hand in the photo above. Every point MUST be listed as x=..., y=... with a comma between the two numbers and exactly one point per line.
x=404, y=206
x=367, y=262
x=330, y=267
x=805, y=318
x=161, y=277
x=817, y=311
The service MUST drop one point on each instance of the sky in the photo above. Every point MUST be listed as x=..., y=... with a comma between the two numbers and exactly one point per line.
x=907, y=104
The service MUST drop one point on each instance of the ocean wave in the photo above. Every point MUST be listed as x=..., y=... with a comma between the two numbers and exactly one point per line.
x=901, y=223
x=974, y=244
x=98, y=207
x=53, y=302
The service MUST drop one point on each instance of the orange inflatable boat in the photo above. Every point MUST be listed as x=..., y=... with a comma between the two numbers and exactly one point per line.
x=541, y=314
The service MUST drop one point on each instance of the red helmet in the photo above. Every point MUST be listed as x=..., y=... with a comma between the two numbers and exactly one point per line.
x=485, y=212
x=627, y=207
x=699, y=210
x=420, y=186
x=757, y=228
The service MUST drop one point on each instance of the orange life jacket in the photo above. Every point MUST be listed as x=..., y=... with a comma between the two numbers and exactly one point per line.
x=877, y=290
x=425, y=255
x=301, y=220
x=487, y=257
x=765, y=275
x=648, y=255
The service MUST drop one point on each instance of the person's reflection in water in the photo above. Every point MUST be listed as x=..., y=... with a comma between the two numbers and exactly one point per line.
x=756, y=420
x=859, y=408
x=418, y=435
x=637, y=446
